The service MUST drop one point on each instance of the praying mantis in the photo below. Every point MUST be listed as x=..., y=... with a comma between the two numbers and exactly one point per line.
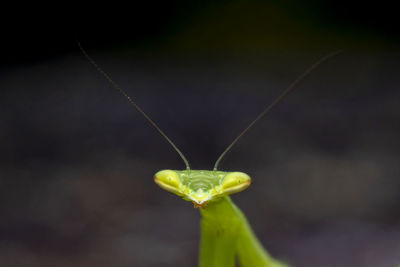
x=226, y=235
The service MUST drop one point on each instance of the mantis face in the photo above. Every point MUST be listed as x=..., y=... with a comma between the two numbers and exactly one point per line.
x=200, y=187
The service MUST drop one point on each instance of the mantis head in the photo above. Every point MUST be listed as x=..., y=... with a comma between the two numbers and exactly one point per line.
x=201, y=187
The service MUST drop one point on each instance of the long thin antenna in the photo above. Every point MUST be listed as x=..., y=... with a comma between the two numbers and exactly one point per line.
x=276, y=101
x=116, y=86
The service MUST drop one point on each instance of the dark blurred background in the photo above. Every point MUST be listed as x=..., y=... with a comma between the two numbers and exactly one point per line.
x=77, y=161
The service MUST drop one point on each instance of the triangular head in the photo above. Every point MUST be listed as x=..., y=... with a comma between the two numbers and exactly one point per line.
x=201, y=186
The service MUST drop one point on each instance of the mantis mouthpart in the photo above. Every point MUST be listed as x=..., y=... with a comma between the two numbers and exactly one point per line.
x=226, y=235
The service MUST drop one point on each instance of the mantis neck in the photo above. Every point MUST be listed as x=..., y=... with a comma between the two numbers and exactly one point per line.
x=226, y=233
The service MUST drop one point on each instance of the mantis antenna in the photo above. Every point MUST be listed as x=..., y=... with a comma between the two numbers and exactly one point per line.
x=276, y=101
x=118, y=88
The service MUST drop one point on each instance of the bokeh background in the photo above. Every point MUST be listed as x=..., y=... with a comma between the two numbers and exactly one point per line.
x=77, y=161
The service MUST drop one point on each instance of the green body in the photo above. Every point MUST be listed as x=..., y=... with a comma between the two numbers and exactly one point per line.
x=225, y=233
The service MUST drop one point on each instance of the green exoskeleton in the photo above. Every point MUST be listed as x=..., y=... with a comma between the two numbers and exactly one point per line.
x=226, y=235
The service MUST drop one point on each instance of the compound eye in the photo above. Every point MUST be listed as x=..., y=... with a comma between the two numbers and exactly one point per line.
x=168, y=180
x=235, y=182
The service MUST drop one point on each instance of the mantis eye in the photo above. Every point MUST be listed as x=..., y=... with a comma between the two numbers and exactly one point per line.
x=168, y=180
x=235, y=182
